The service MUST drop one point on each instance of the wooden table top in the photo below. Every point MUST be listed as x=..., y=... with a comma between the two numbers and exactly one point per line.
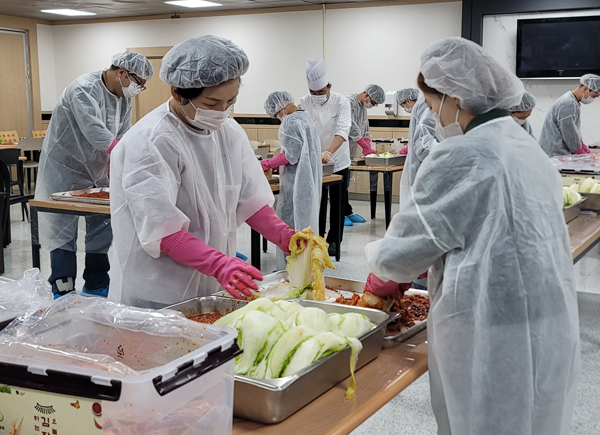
x=377, y=168
x=326, y=179
x=584, y=231
x=377, y=383
x=70, y=206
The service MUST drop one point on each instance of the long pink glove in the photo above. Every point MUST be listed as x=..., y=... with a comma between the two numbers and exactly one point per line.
x=403, y=151
x=583, y=150
x=112, y=146
x=233, y=274
x=365, y=144
x=382, y=289
x=266, y=222
x=274, y=162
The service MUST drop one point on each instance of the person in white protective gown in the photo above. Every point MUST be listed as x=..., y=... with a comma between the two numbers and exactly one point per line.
x=92, y=114
x=331, y=113
x=485, y=212
x=522, y=111
x=300, y=167
x=183, y=179
x=561, y=132
x=360, y=137
x=421, y=137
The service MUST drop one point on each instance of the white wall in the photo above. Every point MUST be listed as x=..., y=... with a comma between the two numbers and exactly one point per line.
x=500, y=39
x=364, y=45
x=48, y=94
x=383, y=45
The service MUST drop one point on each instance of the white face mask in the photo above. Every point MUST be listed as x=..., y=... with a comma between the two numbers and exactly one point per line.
x=587, y=100
x=520, y=121
x=408, y=109
x=448, y=131
x=132, y=90
x=320, y=99
x=207, y=119
x=368, y=104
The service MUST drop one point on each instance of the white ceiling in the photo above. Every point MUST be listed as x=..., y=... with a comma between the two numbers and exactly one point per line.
x=129, y=8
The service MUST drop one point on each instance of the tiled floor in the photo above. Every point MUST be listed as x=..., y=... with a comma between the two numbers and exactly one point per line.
x=409, y=412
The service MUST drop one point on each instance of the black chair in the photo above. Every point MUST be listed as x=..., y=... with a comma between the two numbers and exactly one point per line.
x=11, y=158
x=5, y=189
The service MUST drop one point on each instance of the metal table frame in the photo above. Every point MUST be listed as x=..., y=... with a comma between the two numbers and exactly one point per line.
x=255, y=245
x=35, y=237
x=388, y=177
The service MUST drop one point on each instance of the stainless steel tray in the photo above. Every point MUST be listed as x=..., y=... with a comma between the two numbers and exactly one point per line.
x=346, y=287
x=393, y=340
x=385, y=161
x=207, y=304
x=68, y=196
x=328, y=168
x=572, y=211
x=270, y=401
x=593, y=201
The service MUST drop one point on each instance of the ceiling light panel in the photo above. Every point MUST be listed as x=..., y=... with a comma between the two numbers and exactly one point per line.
x=68, y=12
x=194, y=3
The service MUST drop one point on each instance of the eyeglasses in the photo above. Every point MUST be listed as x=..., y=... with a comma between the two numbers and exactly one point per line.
x=137, y=81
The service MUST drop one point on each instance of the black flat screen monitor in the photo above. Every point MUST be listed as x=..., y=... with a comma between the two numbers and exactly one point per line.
x=558, y=47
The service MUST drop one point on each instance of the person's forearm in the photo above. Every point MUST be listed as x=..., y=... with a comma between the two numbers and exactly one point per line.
x=336, y=144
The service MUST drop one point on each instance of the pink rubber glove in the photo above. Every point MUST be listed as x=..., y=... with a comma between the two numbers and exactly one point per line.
x=266, y=222
x=583, y=150
x=112, y=145
x=382, y=289
x=234, y=274
x=365, y=144
x=274, y=162
x=403, y=151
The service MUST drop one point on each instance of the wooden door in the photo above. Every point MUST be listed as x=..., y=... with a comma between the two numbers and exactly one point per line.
x=14, y=83
x=157, y=92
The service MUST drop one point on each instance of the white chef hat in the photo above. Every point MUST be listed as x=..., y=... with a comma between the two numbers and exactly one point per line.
x=316, y=75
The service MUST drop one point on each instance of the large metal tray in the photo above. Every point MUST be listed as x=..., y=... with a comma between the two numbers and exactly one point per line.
x=273, y=400
x=572, y=211
x=385, y=161
x=593, y=201
x=68, y=196
x=345, y=287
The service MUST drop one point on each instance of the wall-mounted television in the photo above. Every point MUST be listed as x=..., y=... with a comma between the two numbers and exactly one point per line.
x=558, y=47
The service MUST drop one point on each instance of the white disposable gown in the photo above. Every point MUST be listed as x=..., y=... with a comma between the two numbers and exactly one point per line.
x=165, y=177
x=332, y=119
x=486, y=213
x=300, y=193
x=561, y=132
x=528, y=129
x=360, y=124
x=87, y=118
x=421, y=137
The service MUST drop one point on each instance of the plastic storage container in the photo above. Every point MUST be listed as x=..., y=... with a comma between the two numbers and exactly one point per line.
x=89, y=366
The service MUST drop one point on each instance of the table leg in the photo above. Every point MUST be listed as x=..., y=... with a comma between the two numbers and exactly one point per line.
x=338, y=249
x=373, y=193
x=265, y=244
x=387, y=196
x=255, y=249
x=35, y=237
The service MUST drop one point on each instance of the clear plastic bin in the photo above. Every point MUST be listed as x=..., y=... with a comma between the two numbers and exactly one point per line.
x=86, y=364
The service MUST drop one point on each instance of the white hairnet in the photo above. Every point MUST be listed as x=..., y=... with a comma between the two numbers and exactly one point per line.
x=203, y=62
x=407, y=94
x=592, y=81
x=376, y=93
x=527, y=103
x=278, y=101
x=461, y=69
x=135, y=63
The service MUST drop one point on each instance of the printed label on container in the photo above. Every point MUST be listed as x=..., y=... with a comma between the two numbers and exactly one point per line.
x=32, y=412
